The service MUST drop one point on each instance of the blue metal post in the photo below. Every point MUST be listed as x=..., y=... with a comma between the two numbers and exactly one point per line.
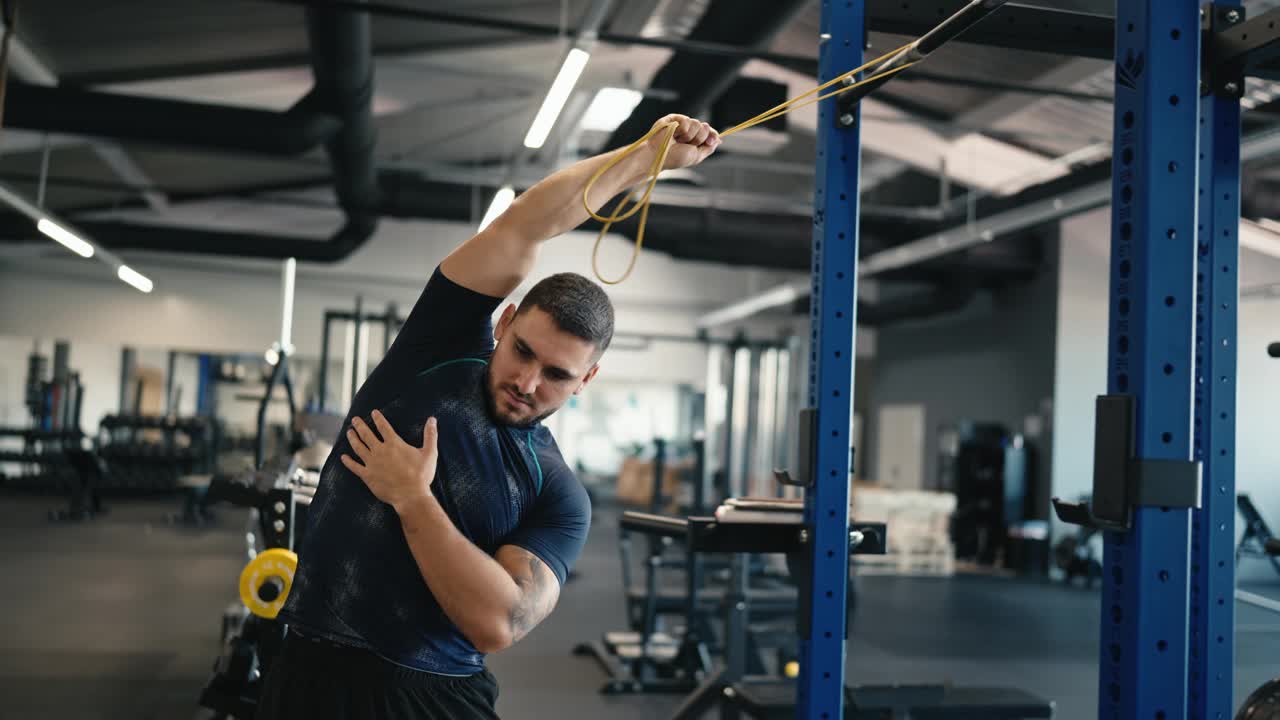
x=835, y=257
x=1143, y=666
x=1210, y=682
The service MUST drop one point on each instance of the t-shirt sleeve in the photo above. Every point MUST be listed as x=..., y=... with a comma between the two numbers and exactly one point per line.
x=448, y=321
x=556, y=530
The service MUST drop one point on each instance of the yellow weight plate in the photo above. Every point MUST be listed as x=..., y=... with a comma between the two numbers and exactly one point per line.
x=271, y=572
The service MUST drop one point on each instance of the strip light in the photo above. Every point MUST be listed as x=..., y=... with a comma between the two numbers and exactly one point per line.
x=610, y=108
x=134, y=278
x=63, y=233
x=570, y=71
x=501, y=201
x=65, y=237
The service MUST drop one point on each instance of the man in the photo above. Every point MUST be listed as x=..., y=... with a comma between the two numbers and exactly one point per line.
x=446, y=520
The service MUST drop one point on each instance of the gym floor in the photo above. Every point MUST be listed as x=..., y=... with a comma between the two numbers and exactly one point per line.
x=119, y=618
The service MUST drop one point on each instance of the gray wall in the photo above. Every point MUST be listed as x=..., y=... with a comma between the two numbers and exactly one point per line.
x=992, y=362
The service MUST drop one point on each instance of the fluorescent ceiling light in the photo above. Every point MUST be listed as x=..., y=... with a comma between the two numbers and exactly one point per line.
x=286, y=320
x=501, y=201
x=134, y=278
x=65, y=237
x=572, y=68
x=1260, y=237
x=609, y=108
x=781, y=295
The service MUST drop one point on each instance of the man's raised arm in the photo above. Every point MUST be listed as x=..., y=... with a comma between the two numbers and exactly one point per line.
x=497, y=260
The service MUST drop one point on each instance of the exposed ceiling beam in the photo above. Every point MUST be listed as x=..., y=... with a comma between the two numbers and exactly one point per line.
x=277, y=61
x=26, y=65
x=123, y=165
x=1070, y=202
x=1001, y=107
x=972, y=159
x=1006, y=106
x=1094, y=193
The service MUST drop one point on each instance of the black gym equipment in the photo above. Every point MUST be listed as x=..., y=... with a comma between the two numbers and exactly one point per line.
x=84, y=501
x=391, y=322
x=62, y=460
x=1076, y=556
x=1263, y=703
x=54, y=453
x=278, y=494
x=645, y=658
x=148, y=454
x=989, y=470
x=54, y=401
x=1257, y=538
x=651, y=657
x=1258, y=541
x=735, y=690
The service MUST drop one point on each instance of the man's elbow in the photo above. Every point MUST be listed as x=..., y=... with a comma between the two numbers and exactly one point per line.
x=491, y=637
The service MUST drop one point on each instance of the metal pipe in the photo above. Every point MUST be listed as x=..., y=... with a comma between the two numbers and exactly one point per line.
x=137, y=399
x=289, y=272
x=324, y=361
x=798, y=63
x=355, y=349
x=260, y=444
x=168, y=383
x=392, y=319
x=128, y=359
x=220, y=128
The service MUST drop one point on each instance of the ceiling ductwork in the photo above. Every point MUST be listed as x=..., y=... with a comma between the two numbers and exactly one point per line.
x=342, y=63
x=734, y=238
x=740, y=238
x=338, y=112
x=218, y=128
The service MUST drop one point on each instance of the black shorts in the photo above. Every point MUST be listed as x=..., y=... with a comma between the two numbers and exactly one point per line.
x=317, y=680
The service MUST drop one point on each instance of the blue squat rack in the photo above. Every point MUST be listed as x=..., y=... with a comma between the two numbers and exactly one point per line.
x=1164, y=485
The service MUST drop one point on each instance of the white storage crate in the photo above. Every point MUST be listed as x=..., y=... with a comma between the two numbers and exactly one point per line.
x=919, y=521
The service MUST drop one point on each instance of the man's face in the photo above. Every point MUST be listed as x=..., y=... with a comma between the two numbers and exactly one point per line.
x=535, y=367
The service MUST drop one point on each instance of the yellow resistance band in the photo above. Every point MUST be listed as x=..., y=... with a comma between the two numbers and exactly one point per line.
x=642, y=205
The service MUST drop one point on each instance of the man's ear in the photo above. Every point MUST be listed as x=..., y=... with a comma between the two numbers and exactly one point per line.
x=504, y=321
x=587, y=378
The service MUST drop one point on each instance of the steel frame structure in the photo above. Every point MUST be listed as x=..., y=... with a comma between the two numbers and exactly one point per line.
x=1167, y=645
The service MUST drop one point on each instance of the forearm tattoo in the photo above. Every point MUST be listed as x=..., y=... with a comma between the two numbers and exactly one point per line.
x=537, y=596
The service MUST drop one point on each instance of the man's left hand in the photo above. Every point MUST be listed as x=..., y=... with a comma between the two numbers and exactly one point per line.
x=396, y=472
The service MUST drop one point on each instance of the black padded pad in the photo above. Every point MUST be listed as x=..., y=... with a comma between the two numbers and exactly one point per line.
x=936, y=702
x=776, y=699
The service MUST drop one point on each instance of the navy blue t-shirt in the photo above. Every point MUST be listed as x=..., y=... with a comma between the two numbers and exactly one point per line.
x=357, y=582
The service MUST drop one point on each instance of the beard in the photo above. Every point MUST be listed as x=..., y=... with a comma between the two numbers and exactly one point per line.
x=496, y=405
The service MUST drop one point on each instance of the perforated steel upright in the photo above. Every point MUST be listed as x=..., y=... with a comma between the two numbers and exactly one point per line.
x=1212, y=644
x=834, y=273
x=1144, y=634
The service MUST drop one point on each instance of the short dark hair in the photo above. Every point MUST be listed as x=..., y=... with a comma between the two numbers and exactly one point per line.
x=577, y=305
